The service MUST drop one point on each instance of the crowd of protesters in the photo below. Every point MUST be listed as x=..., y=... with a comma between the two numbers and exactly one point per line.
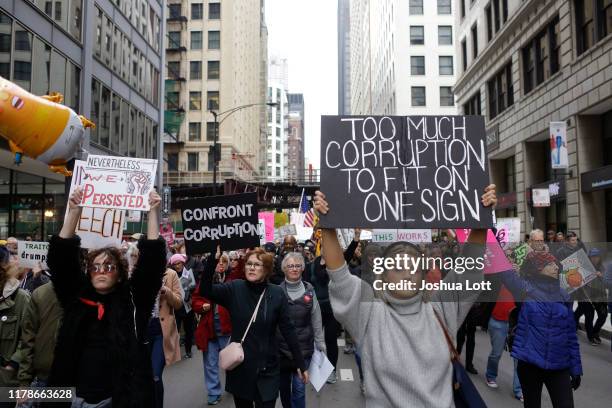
x=108, y=321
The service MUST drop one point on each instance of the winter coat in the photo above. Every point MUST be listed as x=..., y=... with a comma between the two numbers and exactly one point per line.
x=168, y=304
x=260, y=370
x=40, y=327
x=13, y=306
x=126, y=310
x=545, y=335
x=206, y=330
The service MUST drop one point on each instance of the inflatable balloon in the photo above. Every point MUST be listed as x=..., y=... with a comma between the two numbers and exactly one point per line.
x=40, y=127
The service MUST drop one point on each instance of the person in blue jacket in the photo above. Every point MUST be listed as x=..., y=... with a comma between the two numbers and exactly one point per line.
x=545, y=342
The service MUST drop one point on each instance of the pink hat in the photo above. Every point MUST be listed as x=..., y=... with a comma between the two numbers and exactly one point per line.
x=176, y=258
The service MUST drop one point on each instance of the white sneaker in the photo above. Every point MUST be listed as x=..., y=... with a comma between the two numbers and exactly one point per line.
x=492, y=383
x=333, y=378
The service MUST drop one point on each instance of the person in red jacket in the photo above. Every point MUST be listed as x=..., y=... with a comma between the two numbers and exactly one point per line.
x=212, y=335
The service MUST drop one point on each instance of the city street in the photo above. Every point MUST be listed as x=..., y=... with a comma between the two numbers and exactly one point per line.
x=184, y=381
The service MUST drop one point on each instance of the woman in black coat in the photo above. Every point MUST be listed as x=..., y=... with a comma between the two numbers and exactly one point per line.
x=101, y=347
x=256, y=381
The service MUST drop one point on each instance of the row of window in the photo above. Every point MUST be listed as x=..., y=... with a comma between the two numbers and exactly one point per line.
x=20, y=50
x=195, y=70
x=419, y=96
x=65, y=13
x=143, y=17
x=195, y=40
x=197, y=11
x=193, y=161
x=121, y=127
x=593, y=22
x=417, y=35
x=445, y=65
x=416, y=7
x=195, y=100
x=117, y=52
x=195, y=131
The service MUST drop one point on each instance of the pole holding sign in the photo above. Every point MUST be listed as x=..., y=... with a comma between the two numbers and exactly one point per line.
x=166, y=202
x=558, y=145
x=409, y=172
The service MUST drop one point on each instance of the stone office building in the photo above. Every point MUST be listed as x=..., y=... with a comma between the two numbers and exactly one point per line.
x=524, y=64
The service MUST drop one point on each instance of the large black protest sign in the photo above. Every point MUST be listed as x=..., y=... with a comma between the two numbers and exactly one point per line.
x=230, y=220
x=404, y=171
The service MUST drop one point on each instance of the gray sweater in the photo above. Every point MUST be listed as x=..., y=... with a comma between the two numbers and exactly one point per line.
x=294, y=291
x=405, y=357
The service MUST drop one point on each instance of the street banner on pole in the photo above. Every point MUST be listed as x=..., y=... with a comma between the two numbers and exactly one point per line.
x=229, y=220
x=558, y=145
x=407, y=171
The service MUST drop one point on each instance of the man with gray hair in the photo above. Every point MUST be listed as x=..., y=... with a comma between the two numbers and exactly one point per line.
x=536, y=240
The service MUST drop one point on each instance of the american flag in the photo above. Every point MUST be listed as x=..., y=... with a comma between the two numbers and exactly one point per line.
x=309, y=215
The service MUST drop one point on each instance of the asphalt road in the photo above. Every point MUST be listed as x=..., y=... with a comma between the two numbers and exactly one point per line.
x=184, y=382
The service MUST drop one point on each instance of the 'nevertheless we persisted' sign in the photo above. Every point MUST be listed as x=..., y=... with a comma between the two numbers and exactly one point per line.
x=408, y=172
x=117, y=182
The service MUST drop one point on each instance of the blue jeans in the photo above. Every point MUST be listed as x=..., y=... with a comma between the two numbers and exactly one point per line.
x=498, y=331
x=211, y=365
x=292, y=389
x=158, y=359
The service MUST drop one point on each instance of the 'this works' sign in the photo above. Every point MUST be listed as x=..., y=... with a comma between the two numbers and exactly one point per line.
x=404, y=171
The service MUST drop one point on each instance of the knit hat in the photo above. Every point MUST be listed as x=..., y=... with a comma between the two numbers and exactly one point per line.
x=176, y=258
x=537, y=260
x=270, y=247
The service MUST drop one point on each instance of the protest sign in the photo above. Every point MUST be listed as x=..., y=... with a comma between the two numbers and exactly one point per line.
x=411, y=172
x=230, y=220
x=133, y=216
x=541, y=197
x=31, y=253
x=167, y=232
x=303, y=233
x=268, y=221
x=116, y=182
x=577, y=271
x=395, y=235
x=297, y=219
x=495, y=258
x=508, y=230
x=288, y=229
x=520, y=253
x=280, y=219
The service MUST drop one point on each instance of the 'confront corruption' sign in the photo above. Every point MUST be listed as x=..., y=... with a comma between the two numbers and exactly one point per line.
x=230, y=220
x=117, y=182
x=407, y=172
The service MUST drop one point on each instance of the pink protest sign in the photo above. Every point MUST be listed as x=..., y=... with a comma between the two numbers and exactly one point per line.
x=268, y=221
x=495, y=259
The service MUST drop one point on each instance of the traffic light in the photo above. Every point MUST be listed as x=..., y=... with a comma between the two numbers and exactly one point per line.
x=217, y=154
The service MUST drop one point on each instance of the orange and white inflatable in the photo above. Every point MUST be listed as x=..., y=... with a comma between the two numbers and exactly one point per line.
x=40, y=127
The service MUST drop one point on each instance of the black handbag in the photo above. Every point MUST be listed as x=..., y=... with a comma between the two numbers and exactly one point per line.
x=465, y=393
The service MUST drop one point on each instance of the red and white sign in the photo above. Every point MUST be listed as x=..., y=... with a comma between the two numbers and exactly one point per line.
x=167, y=232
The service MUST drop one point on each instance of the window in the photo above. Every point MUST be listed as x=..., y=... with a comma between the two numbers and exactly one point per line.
x=464, y=54
x=489, y=18
x=214, y=40
x=462, y=2
x=446, y=96
x=210, y=131
x=501, y=91
x=195, y=131
x=474, y=41
x=212, y=100
x=214, y=11
x=23, y=40
x=193, y=161
x=417, y=35
x=593, y=22
x=444, y=6
x=213, y=69
x=174, y=69
x=174, y=10
x=416, y=7
x=195, y=101
x=195, y=70
x=418, y=96
x=472, y=106
x=446, y=65
x=211, y=159
x=445, y=35
x=196, y=11
x=172, y=100
x=172, y=161
x=174, y=39
x=196, y=40
x=541, y=56
x=417, y=65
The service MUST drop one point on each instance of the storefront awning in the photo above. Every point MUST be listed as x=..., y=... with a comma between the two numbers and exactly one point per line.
x=598, y=179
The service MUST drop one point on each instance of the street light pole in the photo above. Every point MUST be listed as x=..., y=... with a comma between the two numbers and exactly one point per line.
x=227, y=114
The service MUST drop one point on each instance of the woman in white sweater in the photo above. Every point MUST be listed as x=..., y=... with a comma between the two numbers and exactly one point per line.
x=405, y=356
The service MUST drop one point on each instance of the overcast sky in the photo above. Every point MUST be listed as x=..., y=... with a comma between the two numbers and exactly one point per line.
x=304, y=31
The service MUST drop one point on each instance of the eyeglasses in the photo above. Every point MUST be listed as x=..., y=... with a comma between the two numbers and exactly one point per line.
x=102, y=268
x=296, y=266
x=254, y=265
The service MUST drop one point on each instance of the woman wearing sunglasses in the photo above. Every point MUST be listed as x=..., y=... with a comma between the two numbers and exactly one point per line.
x=255, y=382
x=101, y=346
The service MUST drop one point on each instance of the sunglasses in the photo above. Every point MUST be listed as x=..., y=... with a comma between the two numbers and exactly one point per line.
x=102, y=268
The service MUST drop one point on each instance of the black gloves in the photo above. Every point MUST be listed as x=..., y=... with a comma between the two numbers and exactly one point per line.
x=575, y=382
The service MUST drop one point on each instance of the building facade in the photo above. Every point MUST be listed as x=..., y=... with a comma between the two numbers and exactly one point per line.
x=523, y=65
x=276, y=168
x=215, y=52
x=295, y=137
x=344, y=57
x=402, y=57
x=105, y=57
